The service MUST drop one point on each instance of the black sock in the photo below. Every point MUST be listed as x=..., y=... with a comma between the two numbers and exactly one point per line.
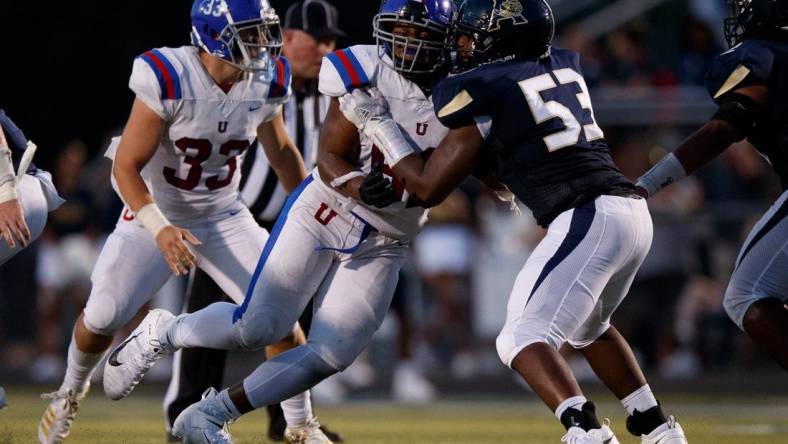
x=585, y=419
x=643, y=423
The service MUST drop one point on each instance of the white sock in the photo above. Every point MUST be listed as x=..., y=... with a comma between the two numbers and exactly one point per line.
x=298, y=409
x=211, y=327
x=575, y=402
x=641, y=400
x=79, y=368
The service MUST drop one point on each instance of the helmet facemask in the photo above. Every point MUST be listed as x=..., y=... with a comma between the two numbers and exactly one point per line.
x=250, y=45
x=422, y=54
x=734, y=30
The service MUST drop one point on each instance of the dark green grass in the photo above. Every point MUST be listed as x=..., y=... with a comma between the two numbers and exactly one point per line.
x=725, y=420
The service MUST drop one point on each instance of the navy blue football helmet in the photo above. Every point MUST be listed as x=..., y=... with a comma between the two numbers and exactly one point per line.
x=766, y=19
x=244, y=33
x=501, y=30
x=425, y=50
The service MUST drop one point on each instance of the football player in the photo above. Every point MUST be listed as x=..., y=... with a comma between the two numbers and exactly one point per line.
x=523, y=106
x=26, y=192
x=749, y=84
x=341, y=238
x=197, y=109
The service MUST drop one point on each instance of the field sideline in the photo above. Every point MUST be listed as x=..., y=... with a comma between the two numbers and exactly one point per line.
x=726, y=420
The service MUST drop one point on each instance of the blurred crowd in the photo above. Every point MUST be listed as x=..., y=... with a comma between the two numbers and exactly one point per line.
x=452, y=298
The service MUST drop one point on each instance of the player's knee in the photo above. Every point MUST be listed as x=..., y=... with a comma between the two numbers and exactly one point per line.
x=736, y=303
x=338, y=354
x=509, y=345
x=103, y=317
x=259, y=331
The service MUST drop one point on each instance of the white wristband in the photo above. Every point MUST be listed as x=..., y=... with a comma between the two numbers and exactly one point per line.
x=151, y=217
x=664, y=173
x=389, y=139
x=341, y=180
x=7, y=188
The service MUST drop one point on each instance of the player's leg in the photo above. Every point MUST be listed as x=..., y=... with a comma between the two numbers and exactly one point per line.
x=35, y=209
x=758, y=290
x=128, y=271
x=552, y=297
x=229, y=256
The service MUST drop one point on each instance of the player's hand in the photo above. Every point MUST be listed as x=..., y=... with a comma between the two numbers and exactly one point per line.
x=172, y=243
x=12, y=223
x=362, y=107
x=377, y=190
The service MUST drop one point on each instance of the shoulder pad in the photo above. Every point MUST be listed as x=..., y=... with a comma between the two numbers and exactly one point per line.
x=15, y=137
x=454, y=102
x=280, y=84
x=348, y=69
x=748, y=63
x=166, y=75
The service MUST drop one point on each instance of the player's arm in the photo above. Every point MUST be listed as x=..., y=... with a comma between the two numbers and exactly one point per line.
x=431, y=181
x=282, y=153
x=141, y=137
x=732, y=123
x=337, y=152
x=12, y=217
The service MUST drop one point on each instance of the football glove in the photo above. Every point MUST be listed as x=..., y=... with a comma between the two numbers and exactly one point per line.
x=377, y=190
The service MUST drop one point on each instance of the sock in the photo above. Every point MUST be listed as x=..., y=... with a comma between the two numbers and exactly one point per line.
x=211, y=327
x=641, y=400
x=298, y=409
x=285, y=376
x=575, y=402
x=585, y=417
x=79, y=368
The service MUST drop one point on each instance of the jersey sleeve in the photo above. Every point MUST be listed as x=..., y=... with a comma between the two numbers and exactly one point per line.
x=749, y=63
x=15, y=137
x=156, y=83
x=280, y=89
x=347, y=69
x=458, y=103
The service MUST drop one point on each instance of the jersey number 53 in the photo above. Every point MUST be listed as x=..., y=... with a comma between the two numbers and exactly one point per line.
x=544, y=111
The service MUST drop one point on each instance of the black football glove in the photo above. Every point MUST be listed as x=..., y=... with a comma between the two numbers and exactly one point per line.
x=377, y=190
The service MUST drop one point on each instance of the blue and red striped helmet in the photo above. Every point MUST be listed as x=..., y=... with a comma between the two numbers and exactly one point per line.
x=244, y=33
x=413, y=35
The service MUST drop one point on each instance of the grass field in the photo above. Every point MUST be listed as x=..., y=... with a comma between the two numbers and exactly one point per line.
x=138, y=420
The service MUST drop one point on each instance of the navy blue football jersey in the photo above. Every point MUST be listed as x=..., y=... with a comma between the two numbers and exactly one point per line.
x=17, y=141
x=759, y=62
x=539, y=129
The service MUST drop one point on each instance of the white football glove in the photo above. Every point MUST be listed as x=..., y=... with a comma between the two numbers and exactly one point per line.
x=368, y=110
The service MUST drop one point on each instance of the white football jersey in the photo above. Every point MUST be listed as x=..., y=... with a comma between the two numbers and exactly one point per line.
x=357, y=67
x=194, y=174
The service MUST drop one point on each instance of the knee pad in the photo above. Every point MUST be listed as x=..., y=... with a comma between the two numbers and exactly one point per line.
x=509, y=344
x=736, y=304
x=258, y=330
x=102, y=317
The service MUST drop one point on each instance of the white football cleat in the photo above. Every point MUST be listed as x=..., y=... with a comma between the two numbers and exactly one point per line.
x=130, y=360
x=576, y=435
x=203, y=422
x=55, y=424
x=309, y=433
x=668, y=433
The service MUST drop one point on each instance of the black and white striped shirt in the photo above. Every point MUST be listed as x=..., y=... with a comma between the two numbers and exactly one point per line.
x=260, y=188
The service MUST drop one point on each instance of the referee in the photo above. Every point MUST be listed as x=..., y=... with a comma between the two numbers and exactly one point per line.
x=310, y=33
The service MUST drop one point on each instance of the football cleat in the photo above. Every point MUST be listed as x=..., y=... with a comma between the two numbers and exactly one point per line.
x=55, y=424
x=576, y=435
x=130, y=360
x=668, y=433
x=203, y=422
x=309, y=433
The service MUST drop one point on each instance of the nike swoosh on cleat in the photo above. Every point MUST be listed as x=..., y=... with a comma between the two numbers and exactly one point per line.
x=113, y=358
x=607, y=441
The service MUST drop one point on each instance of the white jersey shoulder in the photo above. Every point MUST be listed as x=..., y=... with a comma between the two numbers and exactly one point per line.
x=193, y=174
x=347, y=69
